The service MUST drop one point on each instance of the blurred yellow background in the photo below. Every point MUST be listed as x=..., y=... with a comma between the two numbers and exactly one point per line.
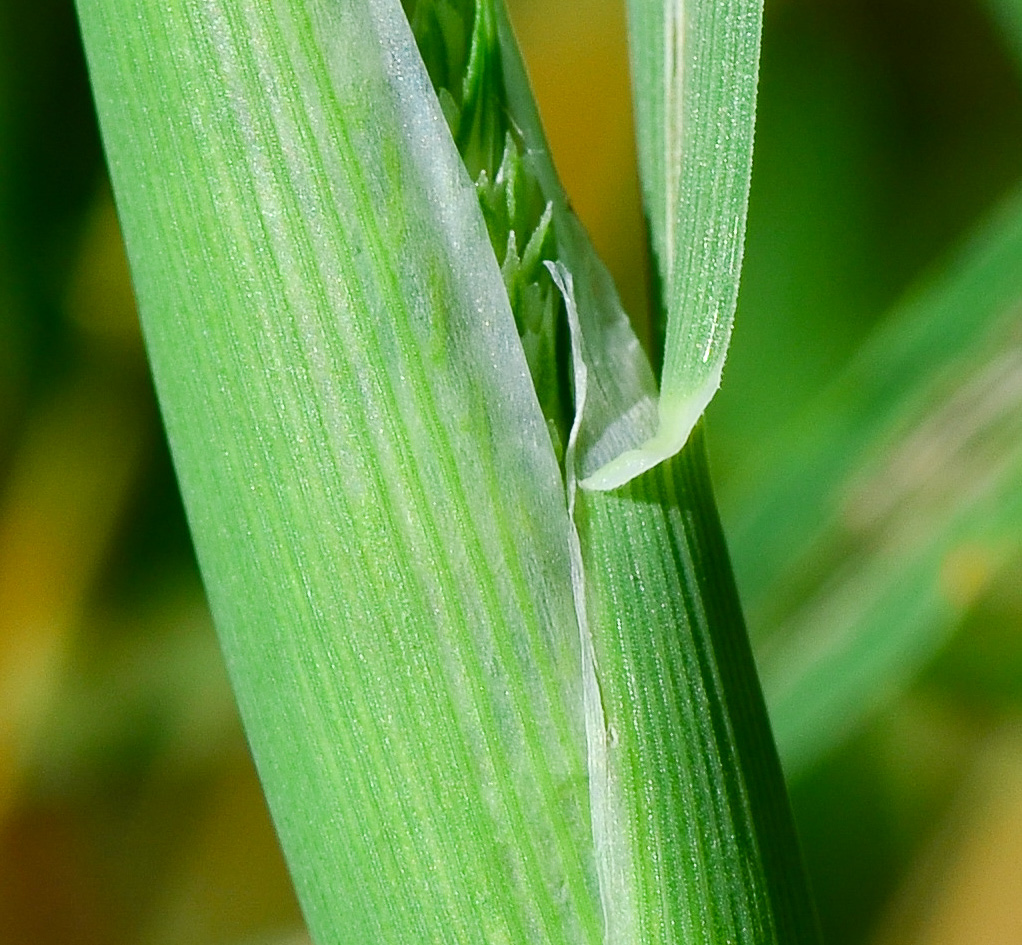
x=129, y=810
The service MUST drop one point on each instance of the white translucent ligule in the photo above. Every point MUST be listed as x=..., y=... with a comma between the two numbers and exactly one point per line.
x=677, y=415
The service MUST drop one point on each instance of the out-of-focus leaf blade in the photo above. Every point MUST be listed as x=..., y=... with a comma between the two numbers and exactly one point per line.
x=883, y=510
x=1008, y=14
x=377, y=509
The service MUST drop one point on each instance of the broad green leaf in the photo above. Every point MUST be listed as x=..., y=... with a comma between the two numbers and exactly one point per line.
x=694, y=70
x=883, y=511
x=375, y=502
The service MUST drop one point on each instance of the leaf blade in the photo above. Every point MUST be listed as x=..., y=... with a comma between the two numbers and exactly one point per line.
x=907, y=462
x=694, y=70
x=335, y=388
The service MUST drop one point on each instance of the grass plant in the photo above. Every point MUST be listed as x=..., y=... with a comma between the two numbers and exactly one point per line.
x=454, y=517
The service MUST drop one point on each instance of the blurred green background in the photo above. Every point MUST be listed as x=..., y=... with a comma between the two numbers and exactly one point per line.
x=129, y=811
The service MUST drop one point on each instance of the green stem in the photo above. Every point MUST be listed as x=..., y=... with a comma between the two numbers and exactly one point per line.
x=711, y=852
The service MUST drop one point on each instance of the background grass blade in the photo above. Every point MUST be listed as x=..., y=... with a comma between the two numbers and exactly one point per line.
x=374, y=499
x=1008, y=15
x=901, y=488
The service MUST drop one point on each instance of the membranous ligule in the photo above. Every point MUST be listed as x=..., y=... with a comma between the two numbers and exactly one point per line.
x=459, y=45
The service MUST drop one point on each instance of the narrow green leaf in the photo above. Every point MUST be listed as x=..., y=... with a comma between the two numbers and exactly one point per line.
x=900, y=490
x=694, y=69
